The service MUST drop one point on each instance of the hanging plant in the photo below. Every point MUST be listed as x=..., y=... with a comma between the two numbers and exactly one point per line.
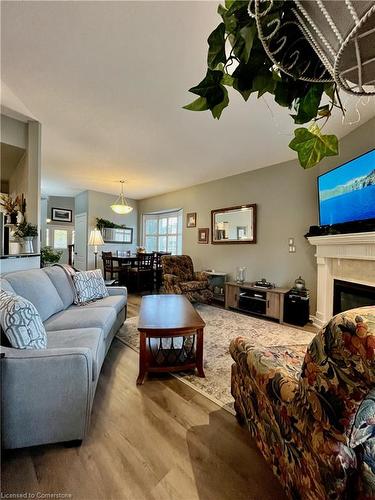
x=239, y=58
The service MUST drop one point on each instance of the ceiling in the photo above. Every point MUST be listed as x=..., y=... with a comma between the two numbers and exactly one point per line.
x=108, y=80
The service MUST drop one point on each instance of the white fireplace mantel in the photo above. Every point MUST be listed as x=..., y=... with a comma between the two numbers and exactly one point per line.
x=331, y=248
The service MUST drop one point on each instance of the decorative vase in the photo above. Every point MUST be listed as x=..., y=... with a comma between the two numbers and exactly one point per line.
x=28, y=244
x=240, y=275
x=19, y=217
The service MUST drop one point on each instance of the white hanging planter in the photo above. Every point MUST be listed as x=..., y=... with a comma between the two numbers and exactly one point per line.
x=342, y=33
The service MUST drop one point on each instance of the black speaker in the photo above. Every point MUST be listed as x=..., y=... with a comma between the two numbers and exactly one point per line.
x=296, y=309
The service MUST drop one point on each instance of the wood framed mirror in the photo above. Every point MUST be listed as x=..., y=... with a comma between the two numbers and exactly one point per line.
x=234, y=225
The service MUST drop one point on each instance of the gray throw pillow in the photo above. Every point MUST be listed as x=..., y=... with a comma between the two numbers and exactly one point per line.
x=89, y=286
x=21, y=322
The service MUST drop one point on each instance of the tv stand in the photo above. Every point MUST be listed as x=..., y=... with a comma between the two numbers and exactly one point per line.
x=267, y=302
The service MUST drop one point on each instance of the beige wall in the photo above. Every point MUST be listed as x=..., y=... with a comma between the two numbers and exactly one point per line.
x=285, y=195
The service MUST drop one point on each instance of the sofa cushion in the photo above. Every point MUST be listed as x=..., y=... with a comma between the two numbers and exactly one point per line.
x=79, y=317
x=21, y=322
x=35, y=286
x=92, y=338
x=117, y=302
x=6, y=286
x=89, y=285
x=63, y=284
x=192, y=286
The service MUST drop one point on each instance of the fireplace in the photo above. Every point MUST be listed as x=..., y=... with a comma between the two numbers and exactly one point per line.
x=348, y=295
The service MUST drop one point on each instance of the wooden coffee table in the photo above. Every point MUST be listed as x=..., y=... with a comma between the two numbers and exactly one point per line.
x=162, y=318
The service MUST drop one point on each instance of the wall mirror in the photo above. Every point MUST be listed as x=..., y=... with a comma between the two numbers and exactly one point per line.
x=116, y=235
x=234, y=224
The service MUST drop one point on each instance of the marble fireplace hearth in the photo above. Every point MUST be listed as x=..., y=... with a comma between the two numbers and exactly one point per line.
x=346, y=257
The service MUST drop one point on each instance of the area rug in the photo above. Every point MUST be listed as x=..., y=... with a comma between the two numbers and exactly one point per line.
x=221, y=327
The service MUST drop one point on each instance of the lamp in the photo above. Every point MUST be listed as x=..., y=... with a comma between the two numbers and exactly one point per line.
x=96, y=240
x=121, y=206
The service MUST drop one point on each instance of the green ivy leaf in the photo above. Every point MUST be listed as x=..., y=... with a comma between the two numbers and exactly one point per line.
x=248, y=34
x=210, y=88
x=229, y=3
x=218, y=109
x=312, y=146
x=230, y=20
x=307, y=106
x=216, y=47
x=227, y=79
x=264, y=82
x=199, y=104
x=329, y=89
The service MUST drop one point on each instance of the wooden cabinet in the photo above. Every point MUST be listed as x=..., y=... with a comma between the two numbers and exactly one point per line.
x=273, y=305
x=231, y=296
x=261, y=301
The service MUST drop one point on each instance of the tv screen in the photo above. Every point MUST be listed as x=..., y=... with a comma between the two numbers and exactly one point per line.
x=347, y=193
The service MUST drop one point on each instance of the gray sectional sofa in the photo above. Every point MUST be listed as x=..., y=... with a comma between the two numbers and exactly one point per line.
x=47, y=394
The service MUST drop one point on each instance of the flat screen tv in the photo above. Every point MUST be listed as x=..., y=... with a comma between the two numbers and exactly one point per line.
x=347, y=193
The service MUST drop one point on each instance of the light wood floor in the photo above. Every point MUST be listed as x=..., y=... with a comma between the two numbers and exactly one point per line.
x=160, y=441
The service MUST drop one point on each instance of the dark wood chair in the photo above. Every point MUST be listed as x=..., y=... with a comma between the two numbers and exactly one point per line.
x=158, y=268
x=142, y=274
x=110, y=265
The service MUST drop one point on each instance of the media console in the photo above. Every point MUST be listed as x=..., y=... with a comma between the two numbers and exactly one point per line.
x=246, y=297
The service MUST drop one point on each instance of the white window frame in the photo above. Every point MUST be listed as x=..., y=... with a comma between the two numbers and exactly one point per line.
x=162, y=215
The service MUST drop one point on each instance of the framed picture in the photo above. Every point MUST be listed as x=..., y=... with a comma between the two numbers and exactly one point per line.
x=61, y=215
x=203, y=234
x=191, y=219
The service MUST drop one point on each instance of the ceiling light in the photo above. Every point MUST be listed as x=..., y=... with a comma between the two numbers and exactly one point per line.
x=121, y=206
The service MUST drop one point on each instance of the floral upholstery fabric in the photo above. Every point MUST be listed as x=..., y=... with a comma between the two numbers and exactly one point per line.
x=192, y=286
x=179, y=278
x=313, y=415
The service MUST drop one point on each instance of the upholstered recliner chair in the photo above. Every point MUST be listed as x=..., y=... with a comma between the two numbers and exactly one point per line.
x=313, y=415
x=179, y=277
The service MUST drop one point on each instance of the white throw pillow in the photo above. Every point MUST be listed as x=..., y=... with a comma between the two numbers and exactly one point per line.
x=89, y=285
x=21, y=322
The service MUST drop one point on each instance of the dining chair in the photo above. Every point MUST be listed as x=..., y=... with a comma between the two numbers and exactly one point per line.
x=142, y=274
x=109, y=265
x=158, y=269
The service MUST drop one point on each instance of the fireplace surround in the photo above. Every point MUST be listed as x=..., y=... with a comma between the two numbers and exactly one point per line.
x=345, y=257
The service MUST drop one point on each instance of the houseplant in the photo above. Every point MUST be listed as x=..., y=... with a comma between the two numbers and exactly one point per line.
x=11, y=207
x=25, y=233
x=237, y=58
x=50, y=256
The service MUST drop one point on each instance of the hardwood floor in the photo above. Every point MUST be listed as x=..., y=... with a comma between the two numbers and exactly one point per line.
x=160, y=441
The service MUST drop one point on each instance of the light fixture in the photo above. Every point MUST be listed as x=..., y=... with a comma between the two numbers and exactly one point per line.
x=96, y=240
x=121, y=206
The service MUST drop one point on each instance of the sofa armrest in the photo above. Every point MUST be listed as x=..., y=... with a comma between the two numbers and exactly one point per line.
x=46, y=395
x=267, y=364
x=201, y=276
x=171, y=284
x=117, y=290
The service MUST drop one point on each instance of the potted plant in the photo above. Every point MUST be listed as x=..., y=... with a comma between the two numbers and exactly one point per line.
x=26, y=232
x=50, y=256
x=246, y=52
x=11, y=207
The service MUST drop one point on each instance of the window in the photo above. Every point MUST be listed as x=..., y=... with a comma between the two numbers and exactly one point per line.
x=162, y=232
x=60, y=238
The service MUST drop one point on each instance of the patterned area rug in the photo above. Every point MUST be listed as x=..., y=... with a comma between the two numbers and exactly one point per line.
x=221, y=327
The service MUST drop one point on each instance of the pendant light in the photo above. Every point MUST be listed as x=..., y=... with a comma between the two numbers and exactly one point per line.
x=121, y=206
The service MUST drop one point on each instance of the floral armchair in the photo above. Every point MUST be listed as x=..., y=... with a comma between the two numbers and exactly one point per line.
x=179, y=277
x=313, y=414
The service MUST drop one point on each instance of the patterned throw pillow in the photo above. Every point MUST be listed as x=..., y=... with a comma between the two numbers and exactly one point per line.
x=21, y=322
x=89, y=285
